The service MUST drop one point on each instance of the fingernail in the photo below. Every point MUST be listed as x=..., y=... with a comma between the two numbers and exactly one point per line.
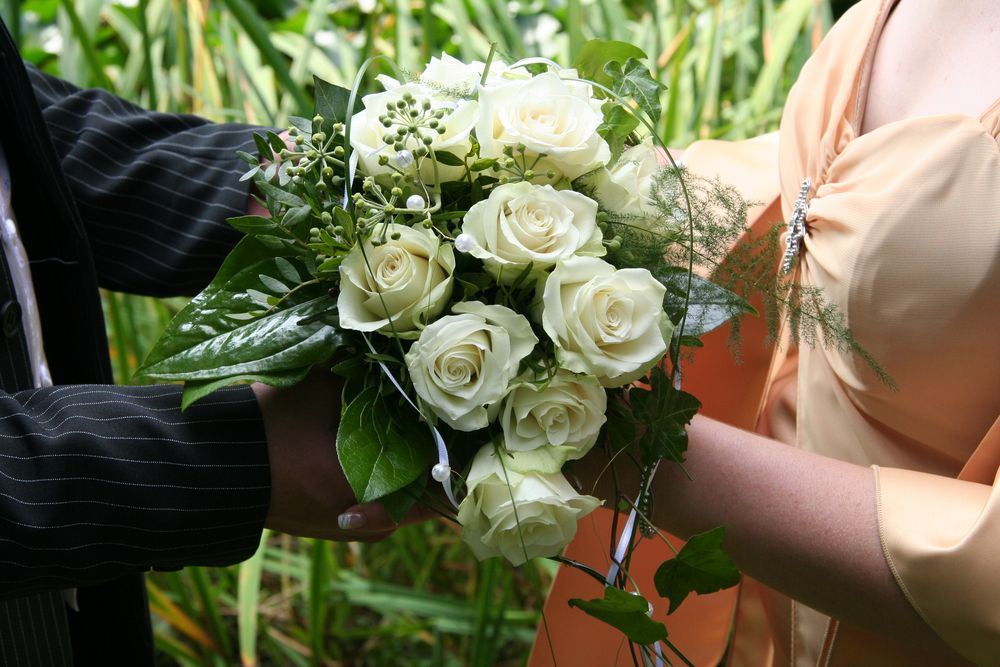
x=351, y=521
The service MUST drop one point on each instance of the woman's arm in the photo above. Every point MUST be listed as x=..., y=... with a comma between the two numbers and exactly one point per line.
x=799, y=522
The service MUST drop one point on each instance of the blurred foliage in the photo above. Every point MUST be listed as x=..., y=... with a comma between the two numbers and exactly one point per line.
x=418, y=598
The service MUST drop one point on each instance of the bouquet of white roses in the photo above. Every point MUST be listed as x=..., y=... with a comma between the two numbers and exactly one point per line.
x=480, y=252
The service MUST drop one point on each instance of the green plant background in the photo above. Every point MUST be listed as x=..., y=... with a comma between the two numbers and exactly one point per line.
x=419, y=598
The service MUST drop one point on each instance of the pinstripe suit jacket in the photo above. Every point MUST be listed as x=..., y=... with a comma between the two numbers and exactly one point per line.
x=100, y=483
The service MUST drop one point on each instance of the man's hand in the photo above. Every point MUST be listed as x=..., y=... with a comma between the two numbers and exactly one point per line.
x=309, y=494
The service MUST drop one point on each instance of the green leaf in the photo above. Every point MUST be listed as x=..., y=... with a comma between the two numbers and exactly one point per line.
x=664, y=413
x=448, y=159
x=597, y=53
x=262, y=147
x=296, y=216
x=276, y=142
x=331, y=103
x=253, y=224
x=195, y=390
x=709, y=307
x=633, y=80
x=287, y=270
x=398, y=503
x=702, y=566
x=303, y=125
x=270, y=344
x=198, y=344
x=273, y=284
x=618, y=124
x=626, y=612
x=275, y=193
x=377, y=446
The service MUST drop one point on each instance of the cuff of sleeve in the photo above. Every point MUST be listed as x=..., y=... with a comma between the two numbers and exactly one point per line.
x=230, y=484
x=940, y=537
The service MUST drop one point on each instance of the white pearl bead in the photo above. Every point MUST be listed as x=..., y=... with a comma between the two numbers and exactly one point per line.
x=404, y=159
x=464, y=243
x=440, y=472
x=415, y=201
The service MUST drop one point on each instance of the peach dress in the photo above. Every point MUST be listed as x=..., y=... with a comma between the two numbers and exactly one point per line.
x=903, y=235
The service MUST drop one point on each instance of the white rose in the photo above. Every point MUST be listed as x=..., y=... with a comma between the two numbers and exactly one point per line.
x=461, y=364
x=627, y=188
x=545, y=518
x=565, y=413
x=521, y=224
x=549, y=116
x=369, y=133
x=605, y=322
x=452, y=73
x=408, y=279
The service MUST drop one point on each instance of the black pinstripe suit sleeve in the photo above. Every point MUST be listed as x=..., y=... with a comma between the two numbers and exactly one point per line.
x=98, y=480
x=154, y=189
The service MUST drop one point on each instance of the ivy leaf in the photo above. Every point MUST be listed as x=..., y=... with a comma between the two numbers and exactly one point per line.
x=597, y=53
x=331, y=103
x=377, y=448
x=633, y=80
x=664, y=413
x=303, y=125
x=709, y=306
x=626, y=612
x=617, y=125
x=702, y=566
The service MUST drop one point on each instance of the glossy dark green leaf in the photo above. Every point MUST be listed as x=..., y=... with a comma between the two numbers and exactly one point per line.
x=702, y=566
x=626, y=612
x=270, y=344
x=210, y=315
x=709, y=307
x=197, y=389
x=382, y=447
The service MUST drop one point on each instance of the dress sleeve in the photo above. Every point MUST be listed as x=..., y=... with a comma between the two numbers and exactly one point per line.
x=941, y=537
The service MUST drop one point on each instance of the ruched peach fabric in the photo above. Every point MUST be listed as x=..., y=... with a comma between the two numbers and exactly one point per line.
x=904, y=237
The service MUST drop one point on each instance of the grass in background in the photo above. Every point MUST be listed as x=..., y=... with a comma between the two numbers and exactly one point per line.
x=418, y=598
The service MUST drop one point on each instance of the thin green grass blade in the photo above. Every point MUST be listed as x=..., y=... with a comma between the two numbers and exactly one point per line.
x=248, y=599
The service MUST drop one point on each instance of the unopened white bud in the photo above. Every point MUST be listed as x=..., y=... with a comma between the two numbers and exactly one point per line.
x=404, y=159
x=440, y=472
x=415, y=202
x=464, y=243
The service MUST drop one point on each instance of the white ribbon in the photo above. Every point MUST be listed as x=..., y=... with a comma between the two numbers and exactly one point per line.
x=623, y=544
x=438, y=440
